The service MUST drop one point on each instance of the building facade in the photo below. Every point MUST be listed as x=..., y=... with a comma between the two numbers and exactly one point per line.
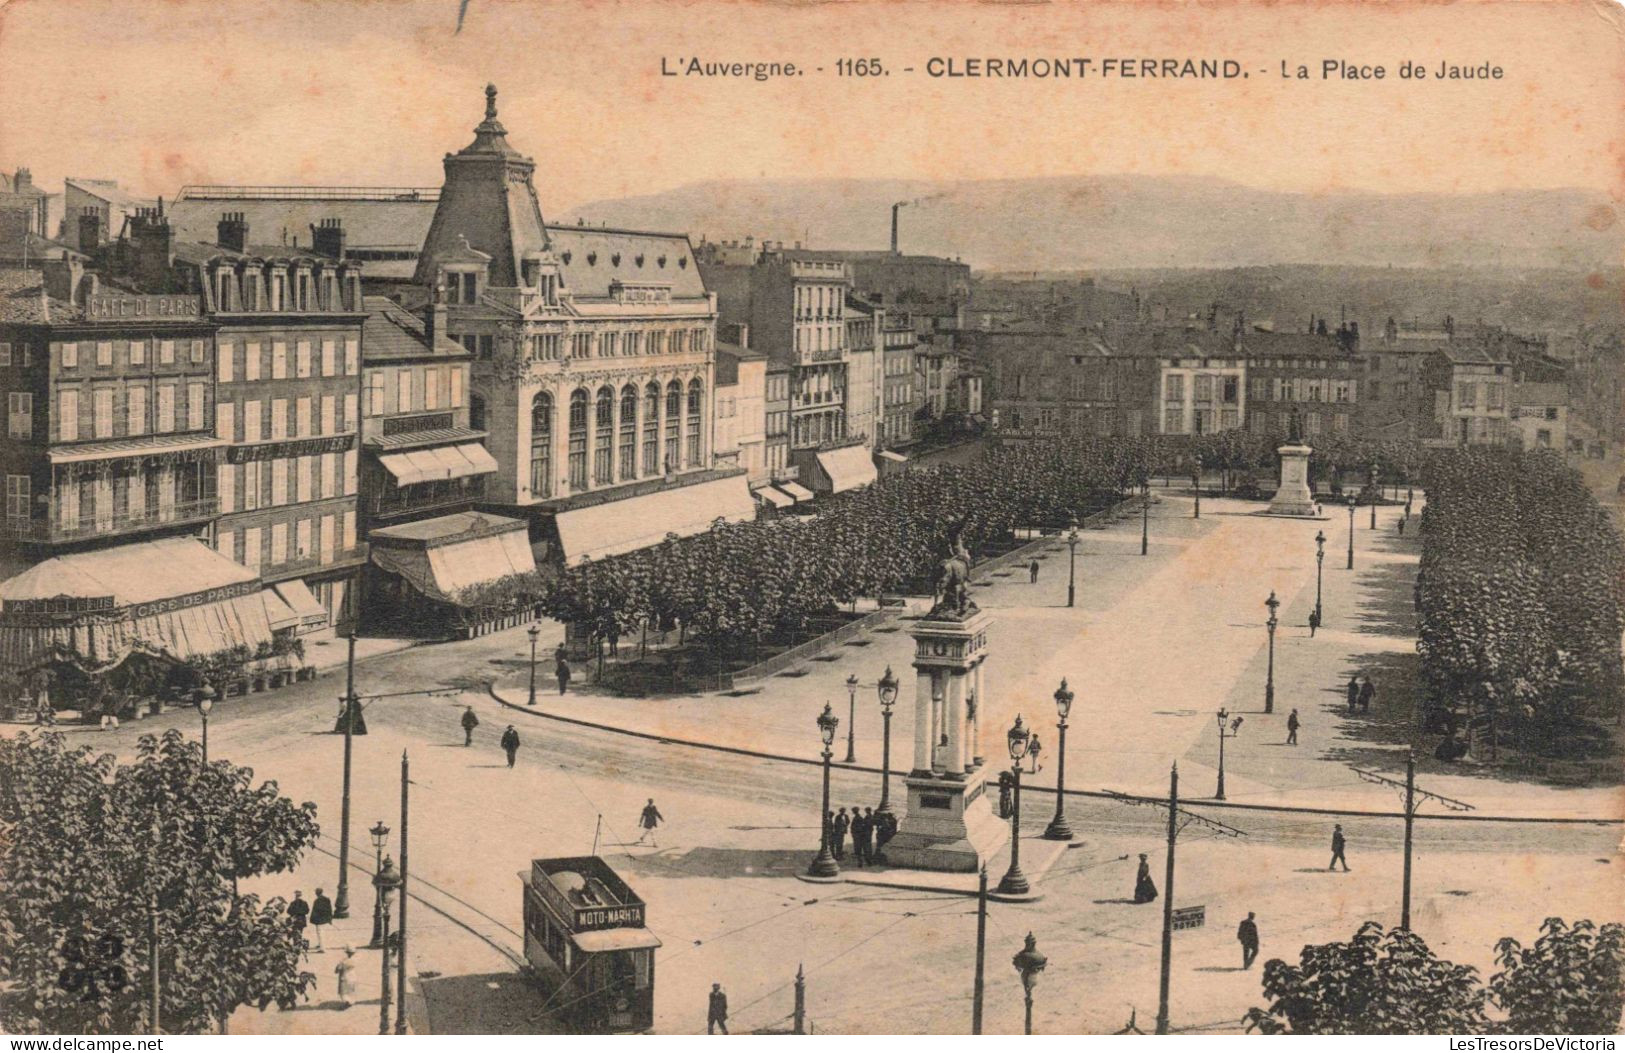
x=865, y=357
x=897, y=379
x=741, y=414
x=1316, y=376
x=19, y=196
x=1471, y=386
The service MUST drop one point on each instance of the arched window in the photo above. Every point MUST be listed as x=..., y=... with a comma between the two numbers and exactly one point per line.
x=696, y=395
x=674, y=424
x=651, y=429
x=603, y=445
x=628, y=459
x=578, y=439
x=541, y=441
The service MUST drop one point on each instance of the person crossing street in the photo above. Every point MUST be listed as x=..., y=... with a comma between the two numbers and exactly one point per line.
x=1247, y=936
x=510, y=744
x=716, y=1012
x=1292, y=725
x=648, y=819
x=1338, y=847
x=470, y=722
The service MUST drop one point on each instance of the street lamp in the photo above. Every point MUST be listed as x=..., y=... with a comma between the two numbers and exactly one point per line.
x=1196, y=480
x=1374, y=494
x=204, y=703
x=887, y=689
x=1320, y=562
x=1072, y=564
x=1269, y=677
x=533, y=632
x=380, y=838
x=1059, y=829
x=1229, y=731
x=1145, y=513
x=1352, y=502
x=823, y=864
x=1029, y=963
x=1021, y=743
x=851, y=717
x=386, y=882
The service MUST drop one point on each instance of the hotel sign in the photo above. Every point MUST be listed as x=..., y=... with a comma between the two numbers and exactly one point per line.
x=270, y=451
x=114, y=306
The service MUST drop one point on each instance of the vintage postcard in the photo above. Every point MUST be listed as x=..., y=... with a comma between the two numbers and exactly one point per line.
x=890, y=517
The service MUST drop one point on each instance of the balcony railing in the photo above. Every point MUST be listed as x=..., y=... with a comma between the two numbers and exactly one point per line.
x=92, y=524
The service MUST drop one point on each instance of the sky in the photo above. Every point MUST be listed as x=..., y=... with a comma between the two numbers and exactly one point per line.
x=161, y=93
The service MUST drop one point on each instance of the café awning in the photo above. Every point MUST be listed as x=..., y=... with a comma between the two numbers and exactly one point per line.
x=437, y=463
x=445, y=556
x=776, y=498
x=298, y=596
x=174, y=597
x=597, y=941
x=631, y=523
x=847, y=468
x=796, y=490
x=891, y=455
x=277, y=611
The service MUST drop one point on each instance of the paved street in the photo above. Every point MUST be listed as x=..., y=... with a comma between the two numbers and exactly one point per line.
x=1155, y=646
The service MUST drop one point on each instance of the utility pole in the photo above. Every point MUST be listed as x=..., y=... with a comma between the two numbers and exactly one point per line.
x=981, y=952
x=1411, y=793
x=1145, y=517
x=400, y=960
x=341, y=902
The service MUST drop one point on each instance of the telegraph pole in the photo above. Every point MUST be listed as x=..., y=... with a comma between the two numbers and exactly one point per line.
x=981, y=952
x=1411, y=793
x=400, y=960
x=1168, y=902
x=341, y=902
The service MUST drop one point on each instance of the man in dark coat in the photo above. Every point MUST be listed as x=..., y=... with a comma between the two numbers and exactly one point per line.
x=1292, y=726
x=716, y=1013
x=321, y=916
x=1338, y=845
x=837, y=833
x=1354, y=691
x=510, y=744
x=562, y=671
x=648, y=819
x=470, y=722
x=1247, y=936
x=863, y=833
x=1368, y=691
x=1032, y=571
x=299, y=913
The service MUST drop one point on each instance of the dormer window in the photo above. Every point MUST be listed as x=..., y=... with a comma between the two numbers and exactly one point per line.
x=462, y=287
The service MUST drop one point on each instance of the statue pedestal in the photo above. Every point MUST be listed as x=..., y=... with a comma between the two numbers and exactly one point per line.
x=950, y=826
x=1294, y=497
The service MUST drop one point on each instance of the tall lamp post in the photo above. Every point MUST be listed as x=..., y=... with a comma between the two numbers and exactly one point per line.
x=1228, y=729
x=205, y=702
x=386, y=882
x=380, y=838
x=1269, y=677
x=887, y=689
x=1059, y=829
x=823, y=864
x=1352, y=502
x=1374, y=494
x=1145, y=513
x=1196, y=480
x=1029, y=963
x=851, y=718
x=1320, y=563
x=341, y=899
x=1022, y=744
x=533, y=632
x=1072, y=564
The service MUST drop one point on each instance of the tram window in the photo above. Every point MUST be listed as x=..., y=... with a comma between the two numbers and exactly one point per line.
x=640, y=966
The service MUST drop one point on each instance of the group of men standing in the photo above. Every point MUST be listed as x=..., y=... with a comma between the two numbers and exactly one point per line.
x=870, y=832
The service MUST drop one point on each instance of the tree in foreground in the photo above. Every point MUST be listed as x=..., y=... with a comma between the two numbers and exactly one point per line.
x=1378, y=983
x=89, y=848
x=1571, y=982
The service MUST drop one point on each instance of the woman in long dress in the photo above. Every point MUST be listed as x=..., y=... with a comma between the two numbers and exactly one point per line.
x=1145, y=890
x=346, y=986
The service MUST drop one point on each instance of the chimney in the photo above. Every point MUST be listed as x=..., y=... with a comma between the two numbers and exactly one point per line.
x=90, y=230
x=434, y=322
x=24, y=180
x=152, y=244
x=894, y=209
x=232, y=232
x=63, y=278
x=327, y=238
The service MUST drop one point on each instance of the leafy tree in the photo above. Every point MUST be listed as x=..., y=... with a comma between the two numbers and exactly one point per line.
x=1375, y=984
x=88, y=846
x=1571, y=982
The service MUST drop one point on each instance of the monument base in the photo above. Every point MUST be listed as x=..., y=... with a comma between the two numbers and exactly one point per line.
x=950, y=826
x=1293, y=498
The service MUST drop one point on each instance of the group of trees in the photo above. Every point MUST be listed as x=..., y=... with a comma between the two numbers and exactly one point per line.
x=1518, y=596
x=92, y=852
x=1570, y=982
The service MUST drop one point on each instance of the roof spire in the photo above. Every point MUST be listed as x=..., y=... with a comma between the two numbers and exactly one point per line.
x=490, y=102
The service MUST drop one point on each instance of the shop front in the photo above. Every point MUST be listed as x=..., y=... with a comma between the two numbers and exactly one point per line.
x=454, y=576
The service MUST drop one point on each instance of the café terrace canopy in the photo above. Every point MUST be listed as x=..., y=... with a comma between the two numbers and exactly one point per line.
x=443, y=557
x=436, y=463
x=174, y=597
x=847, y=468
x=631, y=523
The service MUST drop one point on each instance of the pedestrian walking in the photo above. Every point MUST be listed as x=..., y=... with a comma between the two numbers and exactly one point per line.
x=1032, y=571
x=1368, y=691
x=1338, y=845
x=510, y=744
x=562, y=671
x=1354, y=691
x=1314, y=623
x=716, y=1013
x=648, y=819
x=1145, y=890
x=299, y=913
x=341, y=971
x=321, y=916
x=1401, y=526
x=613, y=634
x=1247, y=936
x=470, y=722
x=1292, y=726
x=863, y=832
x=838, y=826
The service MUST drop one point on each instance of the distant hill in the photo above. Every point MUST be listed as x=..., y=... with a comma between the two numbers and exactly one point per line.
x=1134, y=221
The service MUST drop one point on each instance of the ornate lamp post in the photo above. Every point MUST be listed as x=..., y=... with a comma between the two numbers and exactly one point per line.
x=1320, y=563
x=851, y=717
x=533, y=632
x=887, y=689
x=386, y=882
x=1059, y=829
x=1229, y=731
x=1029, y=963
x=1072, y=564
x=823, y=864
x=1196, y=480
x=1021, y=743
x=1352, y=502
x=1374, y=494
x=204, y=703
x=1269, y=677
x=380, y=838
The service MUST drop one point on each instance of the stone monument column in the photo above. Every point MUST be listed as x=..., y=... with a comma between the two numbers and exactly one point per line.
x=924, y=712
x=953, y=761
